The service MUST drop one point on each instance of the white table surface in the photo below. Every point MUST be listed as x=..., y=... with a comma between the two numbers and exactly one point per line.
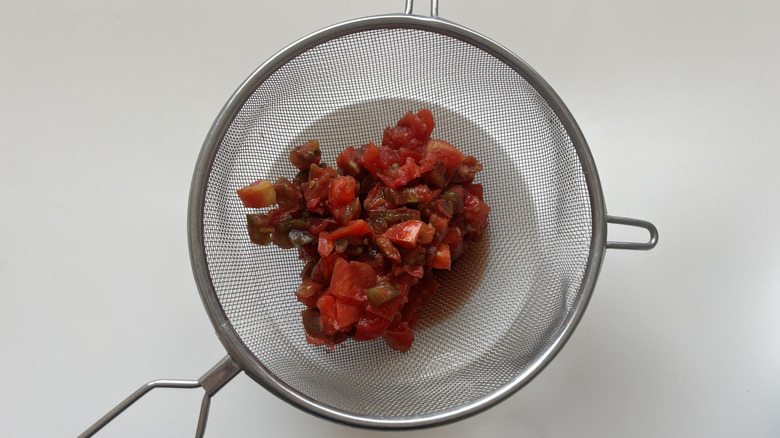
x=104, y=106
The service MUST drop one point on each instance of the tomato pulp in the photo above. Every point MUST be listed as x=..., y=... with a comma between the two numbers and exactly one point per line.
x=372, y=230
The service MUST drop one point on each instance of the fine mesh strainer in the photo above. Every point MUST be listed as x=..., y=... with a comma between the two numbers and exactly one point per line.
x=508, y=304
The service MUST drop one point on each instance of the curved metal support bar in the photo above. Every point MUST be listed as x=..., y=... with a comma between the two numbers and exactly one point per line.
x=211, y=382
x=204, y=415
x=434, y=8
x=113, y=413
x=643, y=246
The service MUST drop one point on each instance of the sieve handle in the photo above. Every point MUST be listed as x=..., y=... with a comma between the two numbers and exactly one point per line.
x=434, y=7
x=644, y=246
x=211, y=382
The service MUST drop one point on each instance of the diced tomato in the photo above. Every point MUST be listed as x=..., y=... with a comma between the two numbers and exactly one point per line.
x=371, y=158
x=413, y=152
x=397, y=176
x=475, y=211
x=475, y=189
x=452, y=235
x=309, y=288
x=342, y=191
x=411, y=127
x=327, y=306
x=318, y=225
x=327, y=241
x=387, y=248
x=405, y=234
x=399, y=336
x=382, y=293
x=355, y=228
x=313, y=330
x=348, y=162
x=350, y=279
x=466, y=171
x=435, y=175
x=411, y=195
x=311, y=324
x=419, y=295
x=259, y=194
x=325, y=244
x=316, y=194
x=441, y=257
x=346, y=315
x=346, y=213
x=378, y=199
x=388, y=309
x=287, y=195
x=414, y=270
x=323, y=271
x=305, y=155
x=440, y=151
x=426, y=234
x=370, y=327
x=259, y=228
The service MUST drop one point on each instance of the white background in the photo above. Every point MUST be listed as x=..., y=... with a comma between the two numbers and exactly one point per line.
x=104, y=106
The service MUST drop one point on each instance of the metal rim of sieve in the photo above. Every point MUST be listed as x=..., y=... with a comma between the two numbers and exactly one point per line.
x=240, y=353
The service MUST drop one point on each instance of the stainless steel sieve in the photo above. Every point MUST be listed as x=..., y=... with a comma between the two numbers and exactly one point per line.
x=508, y=305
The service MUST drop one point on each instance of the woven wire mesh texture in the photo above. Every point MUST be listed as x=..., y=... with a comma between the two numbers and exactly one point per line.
x=498, y=309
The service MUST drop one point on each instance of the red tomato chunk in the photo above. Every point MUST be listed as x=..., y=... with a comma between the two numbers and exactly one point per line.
x=372, y=230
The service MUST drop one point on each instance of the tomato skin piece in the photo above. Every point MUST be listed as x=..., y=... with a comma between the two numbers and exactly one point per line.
x=259, y=194
x=405, y=234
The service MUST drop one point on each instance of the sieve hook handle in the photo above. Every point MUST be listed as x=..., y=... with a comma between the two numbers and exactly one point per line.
x=644, y=246
x=434, y=8
x=211, y=382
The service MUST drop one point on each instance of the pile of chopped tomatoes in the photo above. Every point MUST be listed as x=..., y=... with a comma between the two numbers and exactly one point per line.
x=372, y=229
